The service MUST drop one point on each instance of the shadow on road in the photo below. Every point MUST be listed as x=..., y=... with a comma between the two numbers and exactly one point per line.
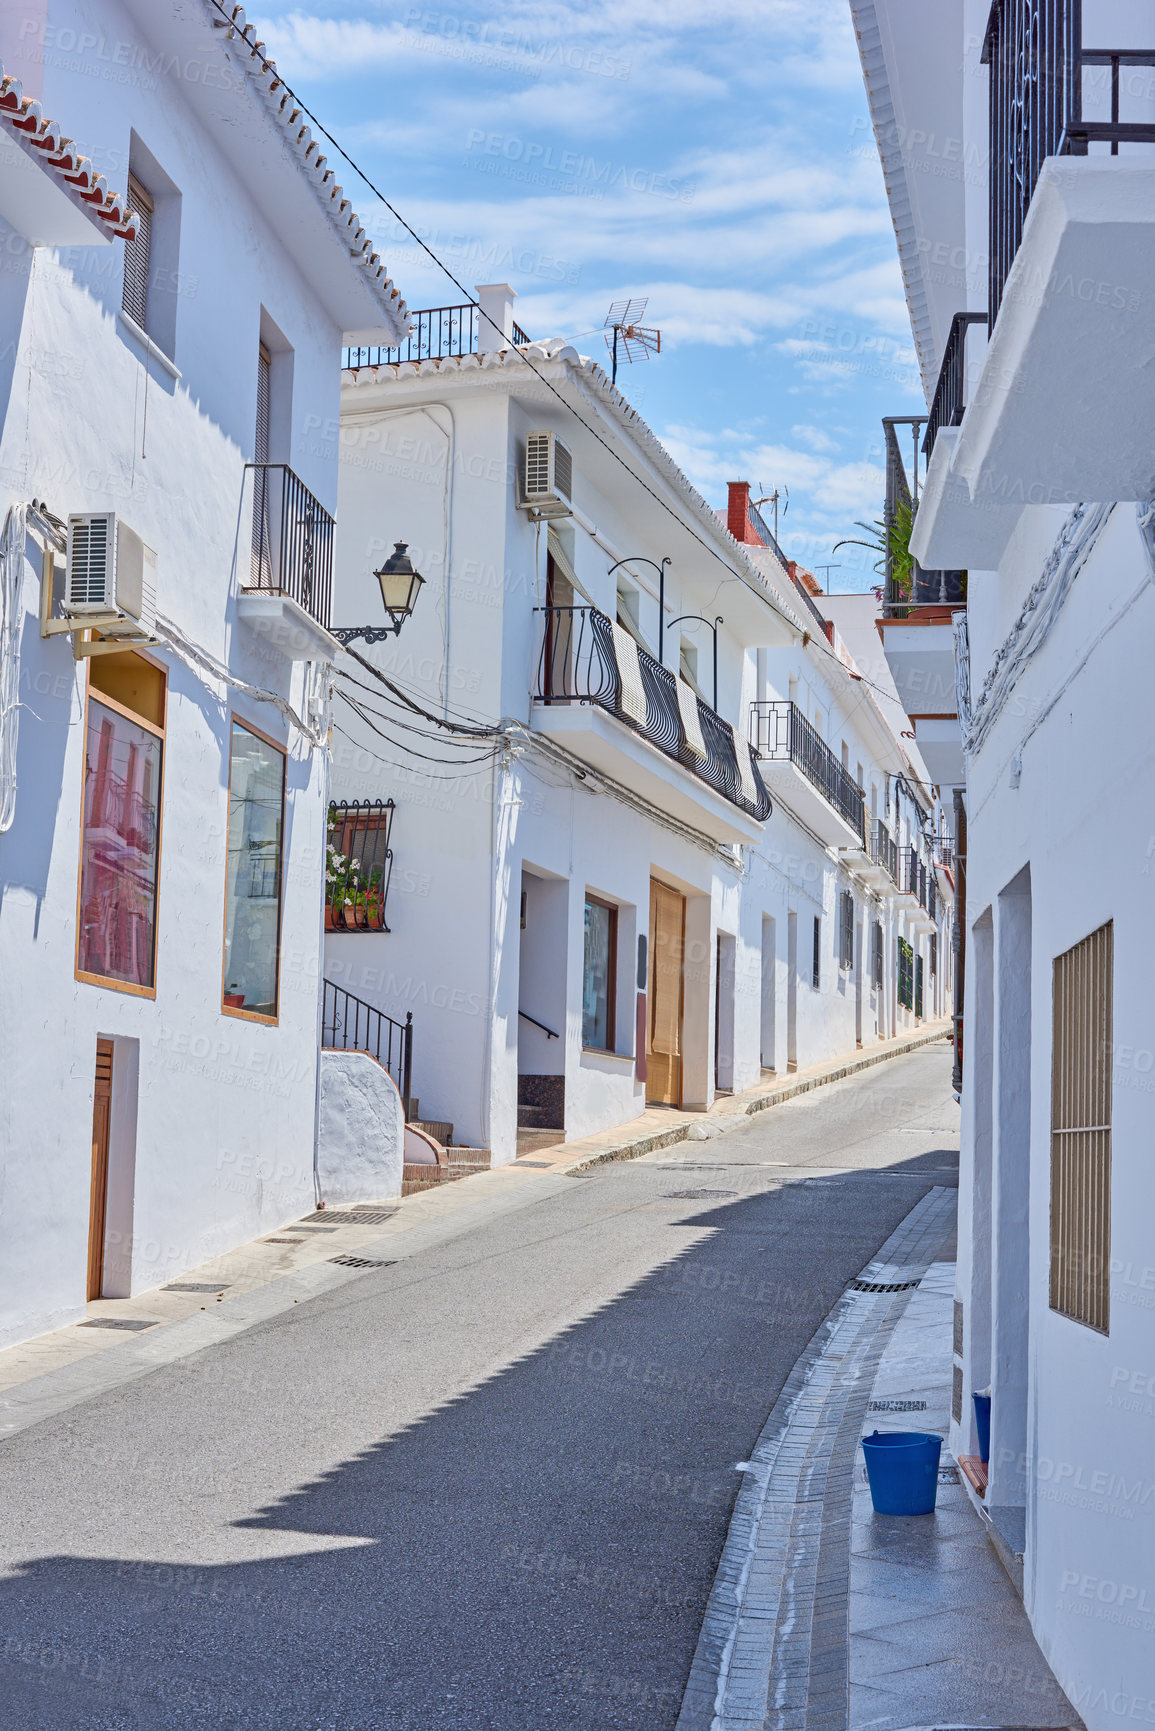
x=540, y=1549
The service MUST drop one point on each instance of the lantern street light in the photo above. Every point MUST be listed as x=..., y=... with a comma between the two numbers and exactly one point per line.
x=400, y=586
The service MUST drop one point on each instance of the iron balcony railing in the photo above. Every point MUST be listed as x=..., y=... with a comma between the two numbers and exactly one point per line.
x=438, y=334
x=905, y=583
x=577, y=663
x=358, y=865
x=292, y=540
x=913, y=875
x=883, y=849
x=782, y=733
x=948, y=404
x=348, y=1024
x=1038, y=93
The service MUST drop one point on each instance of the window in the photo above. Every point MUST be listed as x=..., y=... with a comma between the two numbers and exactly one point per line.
x=905, y=974
x=120, y=845
x=253, y=877
x=846, y=929
x=137, y=255
x=599, y=980
x=358, y=866
x=1082, y=1032
x=933, y=954
x=816, y=972
x=876, y=956
x=918, y=986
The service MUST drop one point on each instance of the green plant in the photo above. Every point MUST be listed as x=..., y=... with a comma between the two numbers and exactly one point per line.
x=345, y=885
x=891, y=545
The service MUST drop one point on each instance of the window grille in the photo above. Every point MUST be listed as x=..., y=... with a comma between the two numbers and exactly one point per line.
x=846, y=929
x=136, y=255
x=933, y=954
x=816, y=971
x=905, y=974
x=1082, y=1032
x=358, y=866
x=876, y=956
x=918, y=986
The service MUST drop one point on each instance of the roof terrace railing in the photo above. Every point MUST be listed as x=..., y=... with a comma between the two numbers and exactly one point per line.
x=439, y=333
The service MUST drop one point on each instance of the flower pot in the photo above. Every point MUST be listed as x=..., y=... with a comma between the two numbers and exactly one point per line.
x=235, y=1000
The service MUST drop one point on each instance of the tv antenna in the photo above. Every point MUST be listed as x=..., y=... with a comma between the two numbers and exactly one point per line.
x=635, y=340
x=772, y=499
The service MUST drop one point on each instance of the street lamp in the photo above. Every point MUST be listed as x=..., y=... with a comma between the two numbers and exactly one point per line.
x=661, y=570
x=400, y=586
x=714, y=628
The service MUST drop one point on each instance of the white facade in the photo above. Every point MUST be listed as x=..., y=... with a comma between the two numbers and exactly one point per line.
x=1040, y=491
x=494, y=861
x=213, y=1107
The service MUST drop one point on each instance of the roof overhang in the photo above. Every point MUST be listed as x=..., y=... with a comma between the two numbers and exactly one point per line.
x=49, y=192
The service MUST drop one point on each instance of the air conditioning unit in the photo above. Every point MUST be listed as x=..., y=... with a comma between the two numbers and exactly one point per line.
x=548, y=476
x=111, y=573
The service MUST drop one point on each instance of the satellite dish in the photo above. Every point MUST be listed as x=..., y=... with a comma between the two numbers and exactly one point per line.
x=626, y=333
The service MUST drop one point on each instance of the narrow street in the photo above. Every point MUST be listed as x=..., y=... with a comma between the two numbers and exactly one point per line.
x=484, y=1487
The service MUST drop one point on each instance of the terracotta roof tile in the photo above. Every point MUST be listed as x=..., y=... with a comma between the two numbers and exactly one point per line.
x=62, y=158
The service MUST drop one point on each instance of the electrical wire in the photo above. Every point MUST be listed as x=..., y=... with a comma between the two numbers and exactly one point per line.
x=391, y=685
x=412, y=727
x=400, y=745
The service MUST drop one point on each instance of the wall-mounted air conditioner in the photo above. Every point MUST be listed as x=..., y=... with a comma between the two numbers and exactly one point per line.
x=111, y=573
x=548, y=479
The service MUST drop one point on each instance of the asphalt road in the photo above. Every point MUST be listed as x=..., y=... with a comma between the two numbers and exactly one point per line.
x=485, y=1489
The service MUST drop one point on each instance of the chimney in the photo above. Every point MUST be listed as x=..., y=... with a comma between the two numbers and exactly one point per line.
x=738, y=514
x=496, y=299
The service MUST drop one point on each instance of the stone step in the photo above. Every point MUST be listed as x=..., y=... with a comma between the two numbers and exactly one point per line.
x=473, y=1157
x=537, y=1118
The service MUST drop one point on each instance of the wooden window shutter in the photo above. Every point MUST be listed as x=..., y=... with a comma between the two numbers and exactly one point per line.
x=136, y=255
x=1082, y=1033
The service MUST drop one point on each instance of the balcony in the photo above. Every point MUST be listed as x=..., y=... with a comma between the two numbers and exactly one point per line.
x=917, y=891
x=876, y=861
x=648, y=730
x=290, y=562
x=439, y=333
x=800, y=767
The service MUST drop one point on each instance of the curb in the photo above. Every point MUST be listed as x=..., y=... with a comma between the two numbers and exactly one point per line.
x=723, y=1121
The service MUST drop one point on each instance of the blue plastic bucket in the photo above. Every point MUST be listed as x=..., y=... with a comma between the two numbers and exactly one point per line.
x=983, y=1424
x=902, y=1467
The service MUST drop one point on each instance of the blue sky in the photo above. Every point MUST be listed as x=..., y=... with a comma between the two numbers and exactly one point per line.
x=716, y=158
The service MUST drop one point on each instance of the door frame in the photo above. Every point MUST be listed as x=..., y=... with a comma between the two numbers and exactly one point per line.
x=98, y=1178
x=651, y=1055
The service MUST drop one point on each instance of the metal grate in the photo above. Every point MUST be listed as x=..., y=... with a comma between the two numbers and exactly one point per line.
x=882, y=1286
x=359, y=1262
x=282, y=1241
x=355, y=1216
x=897, y=1406
x=197, y=1286
x=128, y=1322
x=359, y=864
x=1082, y=993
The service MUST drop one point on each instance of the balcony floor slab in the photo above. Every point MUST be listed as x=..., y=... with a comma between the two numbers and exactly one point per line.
x=808, y=803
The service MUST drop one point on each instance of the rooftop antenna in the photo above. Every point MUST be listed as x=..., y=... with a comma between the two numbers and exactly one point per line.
x=772, y=499
x=634, y=339
x=828, y=569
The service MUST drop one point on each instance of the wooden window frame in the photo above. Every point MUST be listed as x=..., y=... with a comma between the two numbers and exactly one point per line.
x=609, y=1050
x=84, y=975
x=241, y=1015
x=142, y=202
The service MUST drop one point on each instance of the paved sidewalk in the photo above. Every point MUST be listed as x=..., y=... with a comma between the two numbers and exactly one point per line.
x=827, y=1617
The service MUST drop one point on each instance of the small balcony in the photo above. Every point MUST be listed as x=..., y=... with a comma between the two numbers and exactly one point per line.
x=917, y=890
x=290, y=564
x=875, y=863
x=619, y=709
x=439, y=334
x=800, y=767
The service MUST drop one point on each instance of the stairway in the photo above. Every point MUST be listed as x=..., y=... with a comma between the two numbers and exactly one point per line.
x=540, y=1112
x=453, y=1160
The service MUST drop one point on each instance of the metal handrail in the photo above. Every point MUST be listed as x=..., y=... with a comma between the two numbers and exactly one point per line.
x=884, y=849
x=782, y=733
x=292, y=540
x=948, y=404
x=349, y=1024
x=526, y=1017
x=438, y=334
x=577, y=663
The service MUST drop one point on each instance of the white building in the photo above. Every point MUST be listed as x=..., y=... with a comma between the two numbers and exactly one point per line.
x=1017, y=146
x=589, y=910
x=174, y=296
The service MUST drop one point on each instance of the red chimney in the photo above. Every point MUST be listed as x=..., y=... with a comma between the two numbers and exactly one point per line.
x=738, y=515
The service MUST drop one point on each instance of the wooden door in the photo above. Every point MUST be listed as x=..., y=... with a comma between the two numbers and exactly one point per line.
x=667, y=946
x=98, y=1198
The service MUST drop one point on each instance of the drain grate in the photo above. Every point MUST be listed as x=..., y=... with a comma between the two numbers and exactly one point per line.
x=897, y=1406
x=129, y=1322
x=197, y=1286
x=310, y=1229
x=359, y=1262
x=282, y=1241
x=879, y=1286
x=350, y=1216
x=696, y=1195
x=543, y=1164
